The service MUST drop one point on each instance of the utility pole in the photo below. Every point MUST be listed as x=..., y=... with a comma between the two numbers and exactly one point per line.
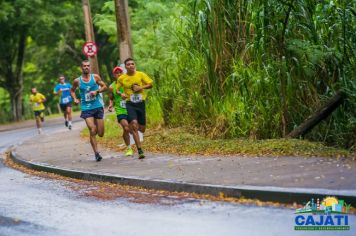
x=123, y=29
x=89, y=35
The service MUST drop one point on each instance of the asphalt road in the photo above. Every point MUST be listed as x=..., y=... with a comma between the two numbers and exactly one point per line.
x=32, y=205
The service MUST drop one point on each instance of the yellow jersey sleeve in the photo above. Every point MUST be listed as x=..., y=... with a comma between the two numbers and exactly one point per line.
x=42, y=97
x=146, y=79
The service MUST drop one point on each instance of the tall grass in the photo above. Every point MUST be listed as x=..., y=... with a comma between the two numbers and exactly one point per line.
x=258, y=68
x=255, y=69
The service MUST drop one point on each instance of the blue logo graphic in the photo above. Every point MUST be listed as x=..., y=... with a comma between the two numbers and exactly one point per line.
x=329, y=214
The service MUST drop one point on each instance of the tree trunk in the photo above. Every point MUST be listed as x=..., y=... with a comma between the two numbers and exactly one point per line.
x=16, y=105
x=321, y=114
x=14, y=79
x=123, y=30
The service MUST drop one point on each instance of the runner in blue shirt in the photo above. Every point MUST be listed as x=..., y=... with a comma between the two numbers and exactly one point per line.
x=62, y=89
x=91, y=103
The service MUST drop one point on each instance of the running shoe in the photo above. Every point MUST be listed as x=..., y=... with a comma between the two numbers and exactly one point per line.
x=69, y=127
x=66, y=123
x=141, y=155
x=98, y=157
x=129, y=152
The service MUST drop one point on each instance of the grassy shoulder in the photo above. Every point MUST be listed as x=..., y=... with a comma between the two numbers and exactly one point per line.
x=180, y=141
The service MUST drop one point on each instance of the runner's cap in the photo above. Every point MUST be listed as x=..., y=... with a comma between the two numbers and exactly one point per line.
x=117, y=69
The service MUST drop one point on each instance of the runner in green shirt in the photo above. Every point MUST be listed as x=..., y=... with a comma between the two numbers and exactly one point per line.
x=120, y=108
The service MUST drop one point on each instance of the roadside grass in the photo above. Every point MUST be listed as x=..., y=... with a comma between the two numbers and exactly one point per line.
x=180, y=141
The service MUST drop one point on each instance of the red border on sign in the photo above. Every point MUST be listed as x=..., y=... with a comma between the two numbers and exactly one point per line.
x=90, y=42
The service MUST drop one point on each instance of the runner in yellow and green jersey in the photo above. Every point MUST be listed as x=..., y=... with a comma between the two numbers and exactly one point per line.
x=120, y=108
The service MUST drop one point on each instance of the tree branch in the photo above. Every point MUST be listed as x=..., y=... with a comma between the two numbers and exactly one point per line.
x=73, y=52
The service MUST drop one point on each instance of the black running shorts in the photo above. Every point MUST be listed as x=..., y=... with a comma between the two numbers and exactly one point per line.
x=136, y=111
x=39, y=113
x=65, y=105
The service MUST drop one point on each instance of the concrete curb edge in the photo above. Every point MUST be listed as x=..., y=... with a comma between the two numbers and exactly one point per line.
x=268, y=193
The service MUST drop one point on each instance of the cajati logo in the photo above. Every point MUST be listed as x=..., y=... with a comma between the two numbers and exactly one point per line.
x=328, y=214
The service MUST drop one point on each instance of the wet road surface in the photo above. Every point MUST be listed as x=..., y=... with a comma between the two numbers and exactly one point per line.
x=31, y=205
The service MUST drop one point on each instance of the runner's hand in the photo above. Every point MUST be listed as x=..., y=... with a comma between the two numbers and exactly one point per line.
x=93, y=93
x=110, y=108
x=76, y=101
x=136, y=88
x=123, y=96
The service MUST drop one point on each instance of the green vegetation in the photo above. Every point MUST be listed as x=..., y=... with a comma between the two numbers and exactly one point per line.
x=226, y=69
x=183, y=142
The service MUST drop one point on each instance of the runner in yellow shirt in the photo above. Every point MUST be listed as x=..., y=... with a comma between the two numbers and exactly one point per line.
x=37, y=99
x=134, y=84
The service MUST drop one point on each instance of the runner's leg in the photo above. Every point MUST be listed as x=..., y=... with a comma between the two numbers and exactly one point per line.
x=126, y=131
x=64, y=110
x=38, y=122
x=93, y=131
x=99, y=123
x=142, y=128
x=65, y=115
x=134, y=131
x=69, y=116
x=141, y=119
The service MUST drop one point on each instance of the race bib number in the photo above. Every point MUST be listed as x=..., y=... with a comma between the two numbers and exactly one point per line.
x=123, y=104
x=89, y=97
x=135, y=98
x=37, y=104
x=65, y=100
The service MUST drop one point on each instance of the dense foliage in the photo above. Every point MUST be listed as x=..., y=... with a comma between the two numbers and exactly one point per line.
x=226, y=68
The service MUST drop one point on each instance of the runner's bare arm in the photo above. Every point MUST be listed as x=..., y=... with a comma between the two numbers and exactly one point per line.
x=72, y=91
x=58, y=92
x=111, y=101
x=119, y=85
x=43, y=98
x=100, y=82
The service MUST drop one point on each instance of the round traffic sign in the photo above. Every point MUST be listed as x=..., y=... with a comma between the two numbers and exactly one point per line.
x=90, y=49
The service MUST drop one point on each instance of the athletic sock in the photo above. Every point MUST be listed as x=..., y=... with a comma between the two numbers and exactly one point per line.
x=140, y=135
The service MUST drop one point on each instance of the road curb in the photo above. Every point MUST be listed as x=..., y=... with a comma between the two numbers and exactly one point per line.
x=263, y=193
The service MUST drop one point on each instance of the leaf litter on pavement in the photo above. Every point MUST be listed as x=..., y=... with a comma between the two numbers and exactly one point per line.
x=182, y=142
x=107, y=191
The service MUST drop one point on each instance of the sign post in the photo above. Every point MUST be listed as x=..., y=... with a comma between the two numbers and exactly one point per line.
x=89, y=35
